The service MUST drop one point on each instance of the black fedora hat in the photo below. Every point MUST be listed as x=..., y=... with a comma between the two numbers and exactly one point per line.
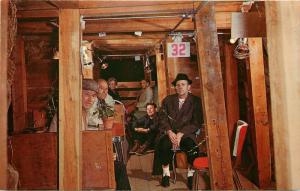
x=181, y=76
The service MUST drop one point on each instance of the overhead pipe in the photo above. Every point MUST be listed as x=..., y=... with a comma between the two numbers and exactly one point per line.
x=129, y=17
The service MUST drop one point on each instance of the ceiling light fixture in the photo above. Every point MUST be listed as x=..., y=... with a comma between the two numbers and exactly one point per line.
x=102, y=34
x=138, y=33
x=104, y=66
x=147, y=67
x=242, y=51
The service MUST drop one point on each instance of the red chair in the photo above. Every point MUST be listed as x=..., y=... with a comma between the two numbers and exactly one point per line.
x=201, y=164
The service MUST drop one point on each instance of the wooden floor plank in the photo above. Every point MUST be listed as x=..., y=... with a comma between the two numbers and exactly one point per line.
x=139, y=170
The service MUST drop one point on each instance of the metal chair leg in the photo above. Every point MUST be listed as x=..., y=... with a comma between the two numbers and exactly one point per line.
x=196, y=180
x=174, y=167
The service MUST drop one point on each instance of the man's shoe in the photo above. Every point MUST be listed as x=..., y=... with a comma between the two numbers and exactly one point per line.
x=165, y=182
x=142, y=150
x=135, y=147
x=190, y=182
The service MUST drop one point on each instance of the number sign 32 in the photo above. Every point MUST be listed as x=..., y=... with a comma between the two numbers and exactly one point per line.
x=179, y=49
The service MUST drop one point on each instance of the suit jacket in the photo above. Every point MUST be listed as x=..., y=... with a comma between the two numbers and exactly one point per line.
x=187, y=120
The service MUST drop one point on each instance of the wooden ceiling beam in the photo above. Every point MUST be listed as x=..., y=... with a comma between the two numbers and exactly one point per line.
x=74, y=4
x=153, y=7
x=118, y=52
x=121, y=48
x=40, y=9
x=34, y=27
x=131, y=42
x=134, y=10
x=122, y=4
x=223, y=21
x=33, y=5
x=131, y=25
x=48, y=13
x=110, y=36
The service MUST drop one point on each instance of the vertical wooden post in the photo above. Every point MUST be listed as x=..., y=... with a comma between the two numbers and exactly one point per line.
x=213, y=99
x=70, y=118
x=260, y=111
x=19, y=89
x=231, y=90
x=3, y=93
x=283, y=29
x=161, y=76
x=165, y=52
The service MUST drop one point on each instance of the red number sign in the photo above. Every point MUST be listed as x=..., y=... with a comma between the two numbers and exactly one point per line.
x=181, y=49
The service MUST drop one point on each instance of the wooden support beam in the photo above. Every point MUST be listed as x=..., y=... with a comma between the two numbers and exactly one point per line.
x=3, y=93
x=70, y=118
x=135, y=7
x=19, y=89
x=38, y=9
x=131, y=25
x=38, y=13
x=223, y=20
x=260, y=112
x=283, y=29
x=213, y=99
x=231, y=90
x=161, y=76
x=74, y=4
x=112, y=36
x=126, y=42
x=149, y=7
x=151, y=25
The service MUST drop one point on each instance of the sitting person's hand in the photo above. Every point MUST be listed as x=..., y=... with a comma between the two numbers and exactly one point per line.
x=179, y=136
x=142, y=130
x=172, y=137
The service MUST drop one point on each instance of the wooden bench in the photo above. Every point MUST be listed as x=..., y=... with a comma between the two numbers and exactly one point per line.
x=130, y=90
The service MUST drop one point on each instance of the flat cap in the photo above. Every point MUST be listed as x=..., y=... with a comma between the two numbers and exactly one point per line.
x=88, y=84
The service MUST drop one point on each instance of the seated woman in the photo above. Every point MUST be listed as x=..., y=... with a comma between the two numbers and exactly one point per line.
x=144, y=130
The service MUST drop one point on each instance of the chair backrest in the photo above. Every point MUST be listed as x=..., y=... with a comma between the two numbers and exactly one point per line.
x=119, y=119
x=240, y=136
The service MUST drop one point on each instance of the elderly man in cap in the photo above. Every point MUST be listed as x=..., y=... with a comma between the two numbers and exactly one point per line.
x=103, y=100
x=90, y=90
x=180, y=118
x=89, y=96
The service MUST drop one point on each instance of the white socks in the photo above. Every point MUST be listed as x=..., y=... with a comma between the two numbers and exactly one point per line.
x=190, y=172
x=166, y=171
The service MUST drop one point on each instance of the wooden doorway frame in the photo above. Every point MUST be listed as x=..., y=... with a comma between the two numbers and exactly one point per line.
x=3, y=92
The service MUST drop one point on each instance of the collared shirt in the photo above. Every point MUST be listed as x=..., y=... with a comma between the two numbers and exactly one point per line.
x=181, y=102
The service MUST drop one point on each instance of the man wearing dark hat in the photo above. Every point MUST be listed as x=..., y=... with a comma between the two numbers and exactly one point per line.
x=181, y=116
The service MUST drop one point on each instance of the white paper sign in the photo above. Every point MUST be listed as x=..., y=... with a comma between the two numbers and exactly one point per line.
x=179, y=49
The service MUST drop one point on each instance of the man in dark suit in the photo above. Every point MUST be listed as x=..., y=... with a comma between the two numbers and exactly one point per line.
x=181, y=117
